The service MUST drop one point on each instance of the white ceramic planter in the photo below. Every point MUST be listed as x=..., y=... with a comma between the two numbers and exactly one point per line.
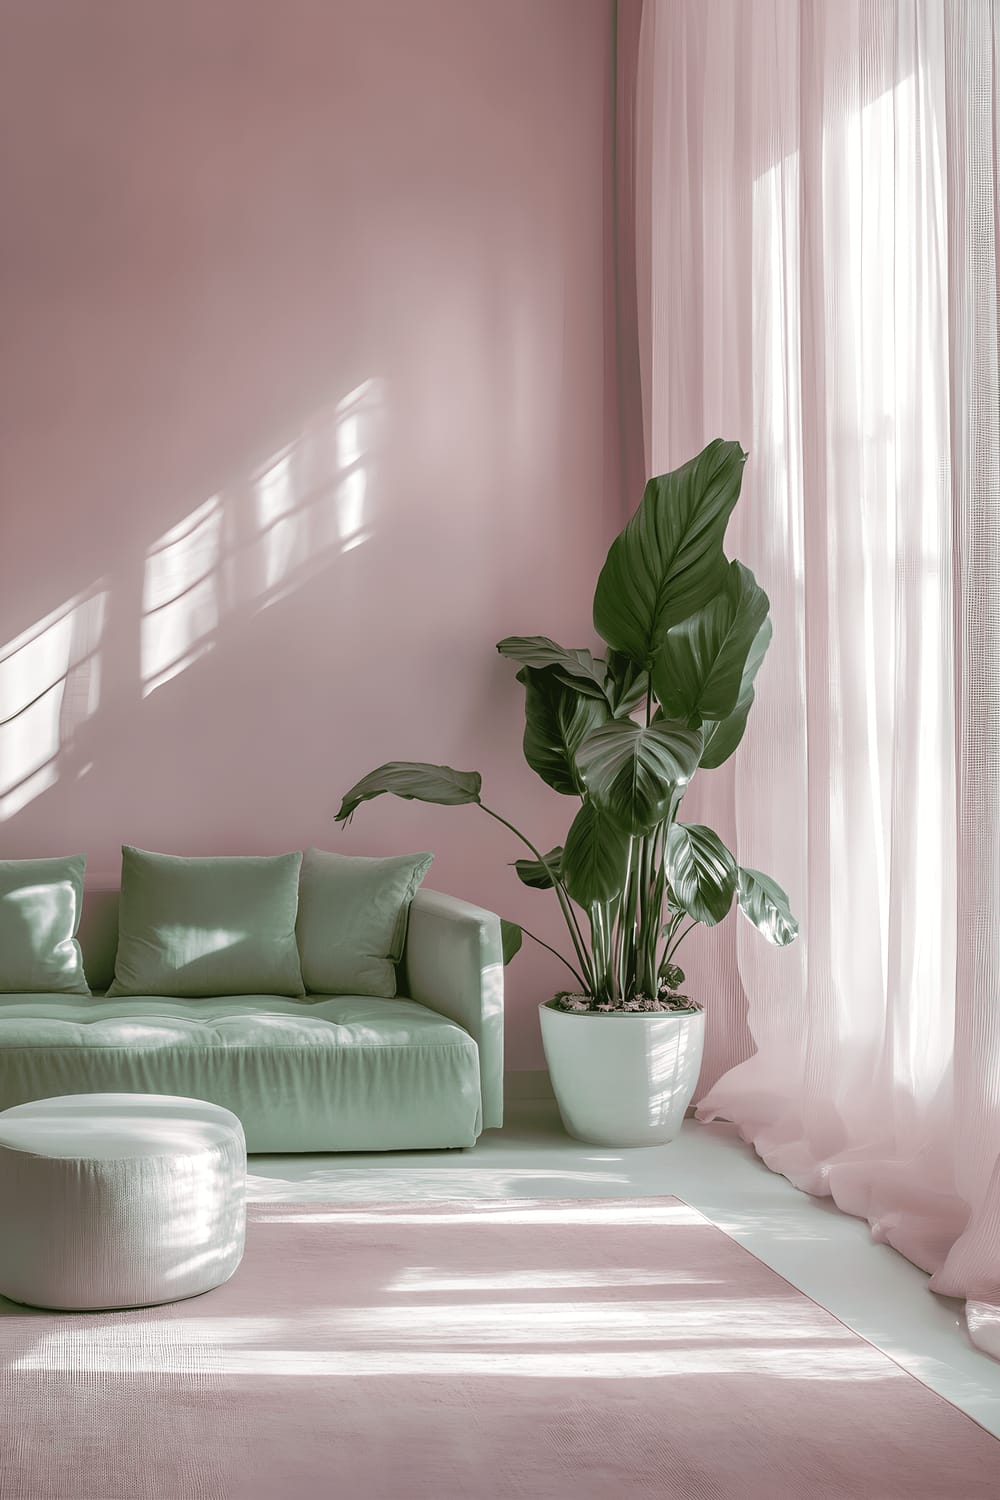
x=625, y=1079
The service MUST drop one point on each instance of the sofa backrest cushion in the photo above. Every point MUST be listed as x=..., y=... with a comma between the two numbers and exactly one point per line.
x=353, y=912
x=98, y=935
x=219, y=925
x=40, y=905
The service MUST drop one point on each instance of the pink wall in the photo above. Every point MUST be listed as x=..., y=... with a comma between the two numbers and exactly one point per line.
x=304, y=401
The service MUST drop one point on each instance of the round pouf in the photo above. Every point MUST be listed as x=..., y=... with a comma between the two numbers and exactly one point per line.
x=119, y=1200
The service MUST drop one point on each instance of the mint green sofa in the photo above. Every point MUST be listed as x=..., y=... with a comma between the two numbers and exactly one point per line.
x=324, y=1073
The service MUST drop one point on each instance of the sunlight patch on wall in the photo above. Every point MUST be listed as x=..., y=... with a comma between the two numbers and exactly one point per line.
x=311, y=498
x=274, y=491
x=276, y=518
x=49, y=687
x=180, y=596
x=355, y=419
x=259, y=541
x=351, y=510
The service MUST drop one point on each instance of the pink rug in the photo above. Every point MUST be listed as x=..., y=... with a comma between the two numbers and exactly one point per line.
x=525, y=1350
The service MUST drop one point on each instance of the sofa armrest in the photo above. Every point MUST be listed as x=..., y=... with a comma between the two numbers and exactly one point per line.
x=453, y=964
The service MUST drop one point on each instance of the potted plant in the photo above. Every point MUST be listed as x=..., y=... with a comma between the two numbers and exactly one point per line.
x=622, y=735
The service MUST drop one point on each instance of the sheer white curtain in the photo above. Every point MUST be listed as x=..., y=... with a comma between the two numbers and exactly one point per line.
x=816, y=252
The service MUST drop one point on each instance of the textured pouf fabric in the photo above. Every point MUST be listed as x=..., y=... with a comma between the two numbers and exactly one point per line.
x=119, y=1200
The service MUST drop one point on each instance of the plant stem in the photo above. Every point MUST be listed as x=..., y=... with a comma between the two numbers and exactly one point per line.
x=597, y=948
x=561, y=895
x=607, y=974
x=557, y=954
x=640, y=915
x=649, y=916
x=670, y=928
x=621, y=907
x=677, y=942
x=656, y=909
x=629, y=925
x=678, y=917
x=607, y=953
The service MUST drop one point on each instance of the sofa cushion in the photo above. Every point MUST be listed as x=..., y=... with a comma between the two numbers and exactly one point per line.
x=215, y=926
x=339, y=1073
x=40, y=905
x=146, y=1022
x=352, y=919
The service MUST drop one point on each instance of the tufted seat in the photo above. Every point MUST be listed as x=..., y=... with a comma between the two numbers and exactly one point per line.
x=329, y=1072
x=231, y=1021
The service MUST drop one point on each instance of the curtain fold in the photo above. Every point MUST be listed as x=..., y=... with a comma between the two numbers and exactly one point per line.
x=816, y=249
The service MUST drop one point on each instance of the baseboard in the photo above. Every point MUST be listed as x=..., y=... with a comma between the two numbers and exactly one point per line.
x=525, y=1086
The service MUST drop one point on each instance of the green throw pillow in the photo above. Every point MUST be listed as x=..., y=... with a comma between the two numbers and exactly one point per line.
x=222, y=926
x=352, y=920
x=40, y=905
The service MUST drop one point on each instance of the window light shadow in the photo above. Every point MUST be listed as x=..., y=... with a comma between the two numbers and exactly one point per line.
x=313, y=497
x=256, y=542
x=50, y=686
x=243, y=549
x=180, y=595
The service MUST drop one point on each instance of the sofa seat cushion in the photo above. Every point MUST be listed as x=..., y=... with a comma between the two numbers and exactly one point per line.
x=151, y=1021
x=329, y=1073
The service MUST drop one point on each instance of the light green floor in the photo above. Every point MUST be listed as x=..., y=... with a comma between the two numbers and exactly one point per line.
x=825, y=1253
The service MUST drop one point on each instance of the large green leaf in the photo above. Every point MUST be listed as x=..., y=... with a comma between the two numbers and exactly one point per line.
x=557, y=718
x=668, y=561
x=698, y=671
x=510, y=939
x=766, y=905
x=632, y=770
x=534, y=873
x=416, y=781
x=723, y=736
x=703, y=874
x=595, y=859
x=575, y=668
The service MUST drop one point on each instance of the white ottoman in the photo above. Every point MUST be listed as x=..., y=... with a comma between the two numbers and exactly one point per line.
x=119, y=1200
